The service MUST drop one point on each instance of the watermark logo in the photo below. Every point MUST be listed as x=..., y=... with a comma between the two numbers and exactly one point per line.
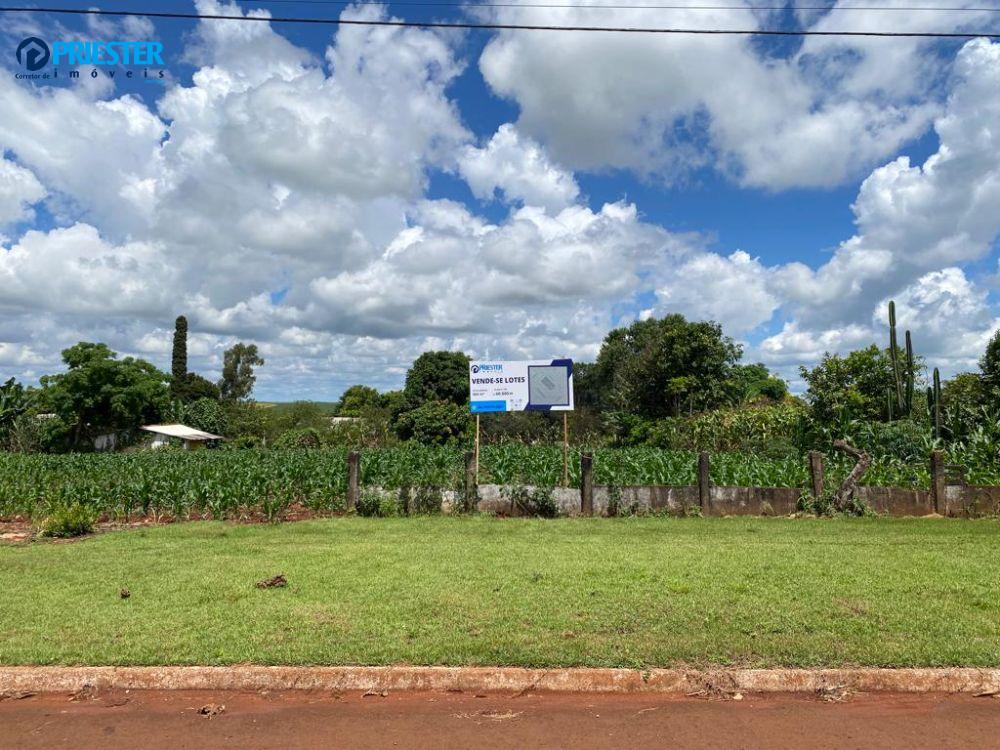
x=33, y=53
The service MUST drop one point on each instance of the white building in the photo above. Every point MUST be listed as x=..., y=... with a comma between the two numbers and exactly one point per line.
x=189, y=436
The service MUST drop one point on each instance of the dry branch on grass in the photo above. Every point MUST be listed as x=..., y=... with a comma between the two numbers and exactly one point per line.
x=276, y=582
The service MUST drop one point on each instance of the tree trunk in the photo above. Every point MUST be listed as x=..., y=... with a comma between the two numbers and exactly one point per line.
x=846, y=490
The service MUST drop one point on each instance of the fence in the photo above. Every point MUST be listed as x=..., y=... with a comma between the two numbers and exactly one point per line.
x=949, y=494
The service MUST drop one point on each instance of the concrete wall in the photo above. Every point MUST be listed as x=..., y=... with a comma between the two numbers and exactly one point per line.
x=963, y=502
x=969, y=502
x=975, y=501
x=896, y=501
x=726, y=501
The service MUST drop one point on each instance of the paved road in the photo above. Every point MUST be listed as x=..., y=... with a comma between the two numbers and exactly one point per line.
x=151, y=720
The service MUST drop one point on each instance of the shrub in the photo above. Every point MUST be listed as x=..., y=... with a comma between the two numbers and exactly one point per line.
x=434, y=423
x=306, y=437
x=619, y=509
x=372, y=431
x=770, y=430
x=69, y=520
x=537, y=501
x=26, y=434
x=376, y=504
x=208, y=415
x=903, y=439
x=423, y=500
x=245, y=421
x=824, y=505
x=298, y=415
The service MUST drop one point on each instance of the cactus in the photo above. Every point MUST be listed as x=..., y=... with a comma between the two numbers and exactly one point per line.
x=909, y=374
x=894, y=353
x=903, y=377
x=937, y=404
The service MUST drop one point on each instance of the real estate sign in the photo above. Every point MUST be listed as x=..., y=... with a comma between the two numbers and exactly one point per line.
x=528, y=385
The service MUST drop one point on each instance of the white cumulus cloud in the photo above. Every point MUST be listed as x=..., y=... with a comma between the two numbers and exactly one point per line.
x=519, y=168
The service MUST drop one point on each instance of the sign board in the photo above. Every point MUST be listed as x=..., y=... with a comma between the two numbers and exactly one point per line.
x=529, y=385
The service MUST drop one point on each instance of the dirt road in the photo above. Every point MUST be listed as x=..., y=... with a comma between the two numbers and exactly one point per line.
x=154, y=720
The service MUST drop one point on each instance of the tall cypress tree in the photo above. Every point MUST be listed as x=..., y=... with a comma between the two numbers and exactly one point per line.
x=179, y=360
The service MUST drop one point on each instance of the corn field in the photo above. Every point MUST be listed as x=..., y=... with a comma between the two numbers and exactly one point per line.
x=227, y=483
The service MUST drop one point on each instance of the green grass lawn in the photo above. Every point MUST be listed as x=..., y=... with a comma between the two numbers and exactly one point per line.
x=598, y=592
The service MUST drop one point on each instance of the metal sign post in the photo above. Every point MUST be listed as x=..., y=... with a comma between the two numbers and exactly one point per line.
x=565, y=449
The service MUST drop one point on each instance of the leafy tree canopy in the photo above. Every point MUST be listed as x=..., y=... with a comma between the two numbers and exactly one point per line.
x=989, y=366
x=207, y=414
x=246, y=424
x=749, y=383
x=393, y=402
x=178, y=357
x=589, y=389
x=434, y=423
x=965, y=404
x=101, y=393
x=193, y=387
x=661, y=367
x=358, y=400
x=15, y=400
x=858, y=385
x=438, y=376
x=238, y=376
x=297, y=416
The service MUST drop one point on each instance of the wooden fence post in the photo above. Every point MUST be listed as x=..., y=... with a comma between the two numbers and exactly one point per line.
x=704, y=483
x=938, y=483
x=471, y=485
x=816, y=474
x=587, y=484
x=353, y=489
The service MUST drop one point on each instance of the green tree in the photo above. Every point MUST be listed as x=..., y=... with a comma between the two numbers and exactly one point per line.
x=206, y=414
x=392, y=402
x=662, y=367
x=193, y=387
x=100, y=393
x=590, y=391
x=15, y=400
x=300, y=437
x=438, y=376
x=179, y=355
x=27, y=434
x=185, y=386
x=989, y=367
x=858, y=386
x=358, y=400
x=434, y=423
x=749, y=383
x=246, y=424
x=963, y=399
x=238, y=376
x=297, y=416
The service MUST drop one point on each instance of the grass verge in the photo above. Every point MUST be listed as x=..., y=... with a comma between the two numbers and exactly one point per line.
x=481, y=591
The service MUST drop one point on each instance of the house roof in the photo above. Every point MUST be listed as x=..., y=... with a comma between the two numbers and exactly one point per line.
x=181, y=431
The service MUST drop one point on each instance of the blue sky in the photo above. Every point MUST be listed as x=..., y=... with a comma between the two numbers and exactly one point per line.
x=350, y=198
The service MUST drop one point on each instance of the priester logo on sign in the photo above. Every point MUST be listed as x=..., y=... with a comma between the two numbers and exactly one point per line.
x=529, y=385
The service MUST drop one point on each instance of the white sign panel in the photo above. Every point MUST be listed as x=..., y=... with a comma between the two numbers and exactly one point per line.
x=530, y=385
